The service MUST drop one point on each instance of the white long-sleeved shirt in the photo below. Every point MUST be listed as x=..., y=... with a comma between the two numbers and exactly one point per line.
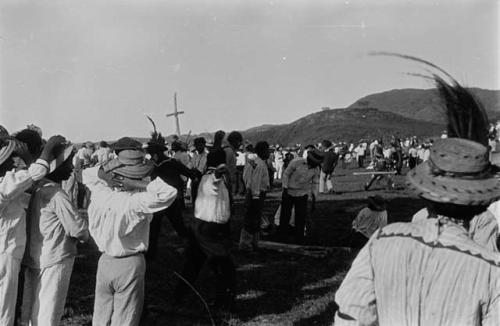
x=13, y=203
x=212, y=202
x=54, y=226
x=119, y=220
x=422, y=273
x=301, y=180
x=256, y=177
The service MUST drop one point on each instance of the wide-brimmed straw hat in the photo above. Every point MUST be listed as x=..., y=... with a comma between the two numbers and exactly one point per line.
x=131, y=163
x=7, y=147
x=65, y=153
x=458, y=171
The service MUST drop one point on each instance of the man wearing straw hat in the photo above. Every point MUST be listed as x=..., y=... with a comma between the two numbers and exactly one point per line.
x=122, y=205
x=432, y=272
x=54, y=227
x=13, y=202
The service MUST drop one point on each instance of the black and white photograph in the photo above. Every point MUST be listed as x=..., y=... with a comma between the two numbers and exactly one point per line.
x=249, y=163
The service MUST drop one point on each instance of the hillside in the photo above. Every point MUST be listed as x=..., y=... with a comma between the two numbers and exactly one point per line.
x=345, y=125
x=424, y=104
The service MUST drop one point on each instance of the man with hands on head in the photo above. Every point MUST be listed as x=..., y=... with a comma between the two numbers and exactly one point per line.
x=14, y=181
x=122, y=203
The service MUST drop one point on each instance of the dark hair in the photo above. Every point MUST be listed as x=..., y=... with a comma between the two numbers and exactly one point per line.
x=459, y=212
x=32, y=140
x=216, y=157
x=234, y=137
x=218, y=137
x=103, y=144
x=326, y=143
x=249, y=148
x=199, y=141
x=262, y=149
x=176, y=145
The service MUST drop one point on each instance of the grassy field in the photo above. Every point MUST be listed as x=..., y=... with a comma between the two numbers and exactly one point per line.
x=274, y=288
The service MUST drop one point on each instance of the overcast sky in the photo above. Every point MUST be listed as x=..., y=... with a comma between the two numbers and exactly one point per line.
x=93, y=69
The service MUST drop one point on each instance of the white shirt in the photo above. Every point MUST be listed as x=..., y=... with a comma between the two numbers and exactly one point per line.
x=102, y=155
x=13, y=204
x=212, y=202
x=494, y=208
x=368, y=221
x=256, y=177
x=119, y=220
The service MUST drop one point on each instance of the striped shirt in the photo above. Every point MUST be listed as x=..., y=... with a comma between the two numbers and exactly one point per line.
x=427, y=273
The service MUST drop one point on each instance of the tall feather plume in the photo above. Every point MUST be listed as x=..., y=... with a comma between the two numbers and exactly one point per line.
x=466, y=116
x=156, y=137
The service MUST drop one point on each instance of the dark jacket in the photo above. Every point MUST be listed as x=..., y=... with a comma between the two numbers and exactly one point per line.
x=329, y=161
x=170, y=171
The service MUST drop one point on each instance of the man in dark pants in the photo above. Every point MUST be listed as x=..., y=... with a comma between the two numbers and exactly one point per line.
x=199, y=162
x=300, y=178
x=169, y=170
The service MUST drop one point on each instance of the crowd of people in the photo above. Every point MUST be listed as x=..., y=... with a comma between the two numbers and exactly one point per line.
x=53, y=195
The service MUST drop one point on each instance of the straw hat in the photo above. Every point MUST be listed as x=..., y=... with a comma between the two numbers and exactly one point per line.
x=7, y=147
x=130, y=163
x=63, y=156
x=458, y=171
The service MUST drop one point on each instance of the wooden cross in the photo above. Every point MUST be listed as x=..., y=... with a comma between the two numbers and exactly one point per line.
x=176, y=115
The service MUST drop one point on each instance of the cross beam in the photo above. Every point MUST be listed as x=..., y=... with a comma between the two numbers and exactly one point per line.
x=176, y=115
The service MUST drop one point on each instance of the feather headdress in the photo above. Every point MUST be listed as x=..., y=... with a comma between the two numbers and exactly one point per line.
x=156, y=137
x=466, y=117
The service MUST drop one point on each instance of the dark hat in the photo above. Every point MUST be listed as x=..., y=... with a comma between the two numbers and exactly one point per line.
x=376, y=203
x=315, y=155
x=126, y=143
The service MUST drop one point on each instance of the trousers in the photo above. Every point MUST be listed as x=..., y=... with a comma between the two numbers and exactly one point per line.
x=325, y=181
x=44, y=294
x=119, y=290
x=9, y=277
x=300, y=204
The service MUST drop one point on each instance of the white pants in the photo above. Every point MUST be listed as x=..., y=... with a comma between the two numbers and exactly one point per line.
x=279, y=171
x=325, y=181
x=45, y=293
x=9, y=276
x=119, y=291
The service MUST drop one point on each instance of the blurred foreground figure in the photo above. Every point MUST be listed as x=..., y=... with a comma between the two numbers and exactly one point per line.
x=432, y=272
x=15, y=179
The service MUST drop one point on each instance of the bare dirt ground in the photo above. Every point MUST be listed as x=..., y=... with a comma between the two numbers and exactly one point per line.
x=274, y=288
